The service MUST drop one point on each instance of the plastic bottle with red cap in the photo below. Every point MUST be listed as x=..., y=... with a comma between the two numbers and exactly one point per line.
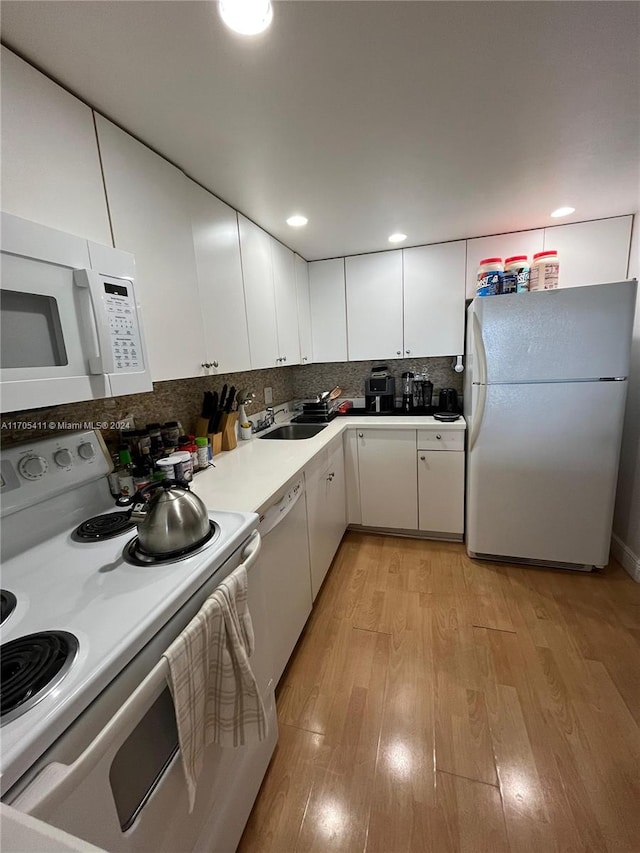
x=544, y=271
x=516, y=274
x=490, y=277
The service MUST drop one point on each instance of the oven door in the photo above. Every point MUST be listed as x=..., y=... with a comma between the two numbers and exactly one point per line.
x=127, y=792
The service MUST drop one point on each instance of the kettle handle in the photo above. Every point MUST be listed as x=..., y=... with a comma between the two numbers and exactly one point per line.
x=141, y=495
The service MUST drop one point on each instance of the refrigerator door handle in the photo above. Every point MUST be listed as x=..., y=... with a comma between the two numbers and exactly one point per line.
x=480, y=359
x=480, y=355
x=478, y=415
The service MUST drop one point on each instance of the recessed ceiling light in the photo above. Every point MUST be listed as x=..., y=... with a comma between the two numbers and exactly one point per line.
x=297, y=221
x=247, y=17
x=563, y=211
x=397, y=238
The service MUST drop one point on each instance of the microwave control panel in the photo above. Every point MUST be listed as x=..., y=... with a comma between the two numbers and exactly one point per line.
x=124, y=330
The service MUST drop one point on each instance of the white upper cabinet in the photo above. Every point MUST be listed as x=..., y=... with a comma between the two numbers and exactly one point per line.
x=328, y=310
x=217, y=250
x=149, y=207
x=286, y=301
x=257, y=272
x=270, y=297
x=50, y=164
x=304, y=309
x=591, y=252
x=500, y=246
x=374, y=305
x=434, y=300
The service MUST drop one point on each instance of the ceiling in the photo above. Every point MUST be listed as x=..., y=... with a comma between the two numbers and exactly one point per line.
x=438, y=119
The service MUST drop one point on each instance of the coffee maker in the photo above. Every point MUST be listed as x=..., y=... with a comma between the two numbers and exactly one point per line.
x=380, y=390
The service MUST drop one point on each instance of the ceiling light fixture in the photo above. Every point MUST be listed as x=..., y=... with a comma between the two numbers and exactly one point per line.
x=247, y=17
x=297, y=221
x=397, y=238
x=563, y=211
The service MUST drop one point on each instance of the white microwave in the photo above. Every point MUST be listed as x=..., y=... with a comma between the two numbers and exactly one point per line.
x=70, y=320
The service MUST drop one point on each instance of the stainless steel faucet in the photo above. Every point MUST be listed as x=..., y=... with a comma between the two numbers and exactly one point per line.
x=268, y=420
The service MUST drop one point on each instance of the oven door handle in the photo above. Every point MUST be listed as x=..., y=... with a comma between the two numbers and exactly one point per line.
x=251, y=550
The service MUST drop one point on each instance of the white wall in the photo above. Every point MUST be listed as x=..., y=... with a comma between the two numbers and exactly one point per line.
x=626, y=523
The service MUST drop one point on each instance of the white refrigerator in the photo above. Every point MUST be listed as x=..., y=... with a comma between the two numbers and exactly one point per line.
x=545, y=392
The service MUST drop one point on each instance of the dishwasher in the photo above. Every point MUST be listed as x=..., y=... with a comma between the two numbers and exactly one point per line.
x=285, y=568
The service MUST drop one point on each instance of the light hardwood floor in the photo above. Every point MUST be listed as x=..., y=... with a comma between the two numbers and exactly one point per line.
x=435, y=703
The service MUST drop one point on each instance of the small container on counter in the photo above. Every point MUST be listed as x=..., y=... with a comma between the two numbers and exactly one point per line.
x=182, y=465
x=516, y=274
x=187, y=444
x=490, y=277
x=171, y=432
x=166, y=468
x=124, y=472
x=112, y=478
x=544, y=271
x=202, y=445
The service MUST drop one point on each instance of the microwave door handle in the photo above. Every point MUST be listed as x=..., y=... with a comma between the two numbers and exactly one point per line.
x=102, y=363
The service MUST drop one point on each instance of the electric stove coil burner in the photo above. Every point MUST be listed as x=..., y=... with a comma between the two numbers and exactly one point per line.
x=31, y=667
x=103, y=527
x=137, y=556
x=7, y=604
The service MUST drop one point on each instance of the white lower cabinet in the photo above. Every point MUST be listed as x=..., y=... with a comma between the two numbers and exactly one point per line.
x=388, y=481
x=326, y=510
x=441, y=482
x=390, y=487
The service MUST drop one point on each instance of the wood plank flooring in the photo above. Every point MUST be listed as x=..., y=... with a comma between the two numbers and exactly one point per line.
x=436, y=703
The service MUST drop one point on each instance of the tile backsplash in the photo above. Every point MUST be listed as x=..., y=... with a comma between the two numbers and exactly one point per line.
x=178, y=399
x=310, y=379
x=181, y=399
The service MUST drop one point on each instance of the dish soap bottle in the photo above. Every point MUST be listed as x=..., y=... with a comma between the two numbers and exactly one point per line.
x=244, y=422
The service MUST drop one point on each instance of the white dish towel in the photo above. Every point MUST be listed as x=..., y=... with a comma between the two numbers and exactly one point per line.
x=214, y=690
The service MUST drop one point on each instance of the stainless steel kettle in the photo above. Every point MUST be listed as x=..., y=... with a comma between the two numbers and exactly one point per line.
x=173, y=521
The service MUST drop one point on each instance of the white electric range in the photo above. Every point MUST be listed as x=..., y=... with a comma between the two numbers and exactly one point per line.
x=99, y=623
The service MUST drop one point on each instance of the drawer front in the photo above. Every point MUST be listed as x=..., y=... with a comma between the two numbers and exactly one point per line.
x=317, y=467
x=440, y=439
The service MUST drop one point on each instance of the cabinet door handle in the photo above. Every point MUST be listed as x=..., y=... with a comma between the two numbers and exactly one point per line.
x=399, y=352
x=360, y=435
x=215, y=364
x=408, y=351
x=209, y=364
x=304, y=358
x=284, y=358
x=438, y=436
x=422, y=458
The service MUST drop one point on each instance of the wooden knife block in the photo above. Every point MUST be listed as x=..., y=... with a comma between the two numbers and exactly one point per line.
x=202, y=427
x=215, y=439
x=229, y=431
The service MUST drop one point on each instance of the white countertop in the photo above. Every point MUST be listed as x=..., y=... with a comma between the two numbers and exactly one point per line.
x=247, y=479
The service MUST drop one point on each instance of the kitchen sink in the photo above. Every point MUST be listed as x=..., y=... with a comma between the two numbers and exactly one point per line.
x=294, y=432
